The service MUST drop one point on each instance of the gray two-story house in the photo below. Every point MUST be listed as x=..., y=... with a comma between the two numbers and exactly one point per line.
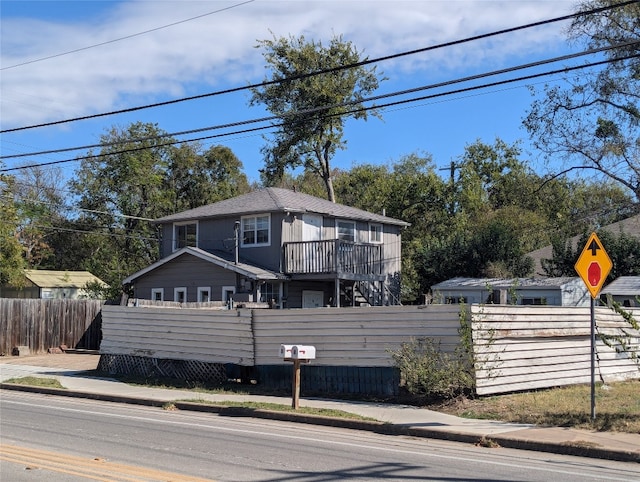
x=276, y=246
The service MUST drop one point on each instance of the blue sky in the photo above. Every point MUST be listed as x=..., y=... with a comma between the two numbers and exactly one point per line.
x=65, y=59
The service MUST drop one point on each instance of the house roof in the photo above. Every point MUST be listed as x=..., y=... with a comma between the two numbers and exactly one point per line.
x=272, y=199
x=61, y=279
x=501, y=283
x=630, y=226
x=250, y=271
x=623, y=286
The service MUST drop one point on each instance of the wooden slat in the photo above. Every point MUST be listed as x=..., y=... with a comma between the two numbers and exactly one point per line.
x=44, y=324
x=520, y=348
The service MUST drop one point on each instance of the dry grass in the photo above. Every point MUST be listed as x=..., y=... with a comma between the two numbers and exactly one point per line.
x=617, y=407
x=36, y=382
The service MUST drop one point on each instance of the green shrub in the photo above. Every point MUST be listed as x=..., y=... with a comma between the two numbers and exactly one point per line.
x=426, y=371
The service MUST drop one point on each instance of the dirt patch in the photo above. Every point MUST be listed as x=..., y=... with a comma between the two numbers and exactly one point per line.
x=71, y=361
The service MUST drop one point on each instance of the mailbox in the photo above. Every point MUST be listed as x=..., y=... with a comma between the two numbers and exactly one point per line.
x=303, y=352
x=285, y=351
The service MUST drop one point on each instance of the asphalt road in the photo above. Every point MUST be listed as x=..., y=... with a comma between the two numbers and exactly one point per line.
x=61, y=439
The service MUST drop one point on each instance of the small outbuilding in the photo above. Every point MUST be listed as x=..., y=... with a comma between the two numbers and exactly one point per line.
x=625, y=290
x=564, y=291
x=48, y=284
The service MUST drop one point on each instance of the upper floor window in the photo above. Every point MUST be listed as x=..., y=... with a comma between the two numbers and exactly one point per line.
x=346, y=230
x=185, y=234
x=256, y=230
x=375, y=233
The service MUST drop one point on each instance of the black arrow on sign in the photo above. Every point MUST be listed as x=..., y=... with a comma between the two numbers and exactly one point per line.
x=594, y=247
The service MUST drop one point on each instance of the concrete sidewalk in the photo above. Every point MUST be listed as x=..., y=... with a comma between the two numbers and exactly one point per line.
x=391, y=418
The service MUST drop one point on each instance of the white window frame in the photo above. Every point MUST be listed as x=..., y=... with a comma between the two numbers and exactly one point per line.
x=177, y=290
x=378, y=231
x=157, y=291
x=175, y=237
x=353, y=229
x=201, y=291
x=255, y=230
x=225, y=290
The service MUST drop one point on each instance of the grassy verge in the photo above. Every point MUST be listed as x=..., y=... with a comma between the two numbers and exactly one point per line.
x=617, y=404
x=36, y=382
x=325, y=412
x=617, y=407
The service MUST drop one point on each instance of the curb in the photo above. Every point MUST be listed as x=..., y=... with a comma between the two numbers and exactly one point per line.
x=371, y=426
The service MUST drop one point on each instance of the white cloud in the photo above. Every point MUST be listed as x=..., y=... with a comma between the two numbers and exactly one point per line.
x=218, y=50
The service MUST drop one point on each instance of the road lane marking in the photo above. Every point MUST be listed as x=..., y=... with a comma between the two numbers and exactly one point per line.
x=95, y=469
x=333, y=442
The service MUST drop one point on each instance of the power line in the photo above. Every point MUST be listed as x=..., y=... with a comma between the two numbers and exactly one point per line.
x=321, y=109
x=125, y=37
x=345, y=104
x=325, y=71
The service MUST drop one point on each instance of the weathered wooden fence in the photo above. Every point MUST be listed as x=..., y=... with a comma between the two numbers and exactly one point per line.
x=352, y=345
x=529, y=347
x=516, y=347
x=44, y=324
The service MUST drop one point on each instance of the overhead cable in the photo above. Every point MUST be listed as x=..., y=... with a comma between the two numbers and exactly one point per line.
x=325, y=71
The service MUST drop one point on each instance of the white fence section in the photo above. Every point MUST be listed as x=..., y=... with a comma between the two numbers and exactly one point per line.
x=516, y=347
x=210, y=336
x=354, y=337
x=529, y=347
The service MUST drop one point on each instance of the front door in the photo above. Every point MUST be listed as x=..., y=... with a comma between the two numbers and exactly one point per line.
x=312, y=231
x=312, y=227
x=312, y=299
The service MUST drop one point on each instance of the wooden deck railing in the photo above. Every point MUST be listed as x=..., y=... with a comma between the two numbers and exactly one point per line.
x=332, y=256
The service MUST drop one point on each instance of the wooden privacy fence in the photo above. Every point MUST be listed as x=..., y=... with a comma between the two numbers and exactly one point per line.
x=515, y=347
x=43, y=324
x=529, y=347
x=352, y=345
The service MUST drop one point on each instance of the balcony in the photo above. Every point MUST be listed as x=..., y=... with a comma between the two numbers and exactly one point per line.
x=343, y=259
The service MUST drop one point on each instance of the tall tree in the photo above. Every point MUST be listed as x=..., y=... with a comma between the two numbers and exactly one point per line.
x=40, y=203
x=622, y=248
x=594, y=122
x=11, y=260
x=197, y=178
x=137, y=176
x=312, y=109
x=120, y=189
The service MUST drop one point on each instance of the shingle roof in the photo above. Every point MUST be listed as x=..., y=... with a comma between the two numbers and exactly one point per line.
x=623, y=286
x=502, y=283
x=60, y=279
x=274, y=199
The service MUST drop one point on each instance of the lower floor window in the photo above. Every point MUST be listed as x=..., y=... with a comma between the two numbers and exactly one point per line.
x=204, y=294
x=180, y=295
x=157, y=294
x=269, y=293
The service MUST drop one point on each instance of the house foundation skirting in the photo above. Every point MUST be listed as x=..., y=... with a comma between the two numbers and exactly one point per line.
x=188, y=370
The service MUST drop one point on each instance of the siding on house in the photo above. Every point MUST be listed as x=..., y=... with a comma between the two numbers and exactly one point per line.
x=193, y=271
x=564, y=291
x=625, y=290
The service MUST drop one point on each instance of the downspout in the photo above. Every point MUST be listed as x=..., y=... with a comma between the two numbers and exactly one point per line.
x=236, y=230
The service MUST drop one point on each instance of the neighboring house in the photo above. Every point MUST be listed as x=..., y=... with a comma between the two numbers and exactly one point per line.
x=275, y=246
x=566, y=291
x=47, y=284
x=629, y=226
x=625, y=290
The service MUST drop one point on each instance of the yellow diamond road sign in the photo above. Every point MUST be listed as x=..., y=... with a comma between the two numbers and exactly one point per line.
x=593, y=265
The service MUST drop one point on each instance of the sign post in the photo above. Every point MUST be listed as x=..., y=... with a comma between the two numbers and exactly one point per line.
x=593, y=266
